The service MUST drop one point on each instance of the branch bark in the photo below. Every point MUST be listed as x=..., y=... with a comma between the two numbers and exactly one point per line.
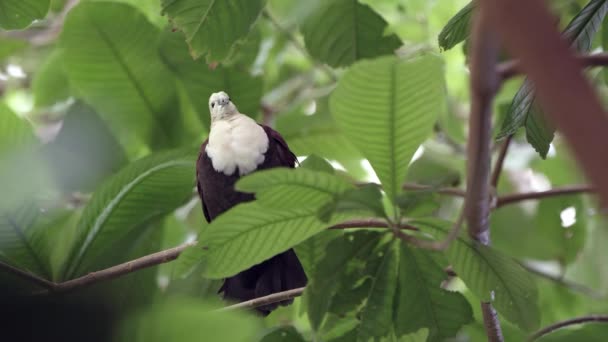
x=558, y=325
x=272, y=298
x=484, y=83
x=526, y=196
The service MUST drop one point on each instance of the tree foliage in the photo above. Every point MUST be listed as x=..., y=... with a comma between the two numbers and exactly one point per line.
x=102, y=108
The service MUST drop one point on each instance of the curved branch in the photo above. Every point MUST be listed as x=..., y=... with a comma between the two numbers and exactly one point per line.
x=502, y=154
x=566, y=190
x=585, y=319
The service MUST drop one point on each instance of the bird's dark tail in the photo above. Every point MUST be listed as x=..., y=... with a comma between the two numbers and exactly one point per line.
x=280, y=273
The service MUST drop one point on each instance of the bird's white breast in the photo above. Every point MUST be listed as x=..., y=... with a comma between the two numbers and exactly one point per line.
x=238, y=142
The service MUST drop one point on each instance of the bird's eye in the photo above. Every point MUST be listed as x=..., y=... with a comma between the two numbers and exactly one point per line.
x=212, y=104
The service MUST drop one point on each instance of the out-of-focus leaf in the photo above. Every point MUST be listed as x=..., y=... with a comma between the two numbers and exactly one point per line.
x=418, y=203
x=187, y=319
x=200, y=80
x=212, y=27
x=19, y=14
x=457, y=29
x=580, y=32
x=50, y=84
x=286, y=334
x=9, y=47
x=84, y=151
x=493, y=277
x=143, y=190
x=589, y=332
x=387, y=108
x=111, y=60
x=341, y=32
x=316, y=163
x=366, y=198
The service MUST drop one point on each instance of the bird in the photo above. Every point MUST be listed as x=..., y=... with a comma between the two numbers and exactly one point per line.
x=237, y=146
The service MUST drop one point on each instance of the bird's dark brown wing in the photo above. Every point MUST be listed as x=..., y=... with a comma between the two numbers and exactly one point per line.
x=199, y=188
x=283, y=156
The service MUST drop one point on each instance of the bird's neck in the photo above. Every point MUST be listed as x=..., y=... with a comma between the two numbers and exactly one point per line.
x=236, y=143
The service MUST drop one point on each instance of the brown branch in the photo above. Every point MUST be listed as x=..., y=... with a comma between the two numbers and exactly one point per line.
x=585, y=319
x=512, y=68
x=502, y=154
x=484, y=83
x=272, y=298
x=369, y=223
x=566, y=190
x=444, y=191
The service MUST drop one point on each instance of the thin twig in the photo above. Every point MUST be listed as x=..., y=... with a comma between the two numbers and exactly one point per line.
x=484, y=83
x=500, y=161
x=585, y=319
x=261, y=301
x=299, y=46
x=512, y=68
x=566, y=190
x=444, y=191
x=369, y=223
x=432, y=245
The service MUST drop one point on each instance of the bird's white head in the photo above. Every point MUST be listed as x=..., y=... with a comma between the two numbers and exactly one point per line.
x=221, y=107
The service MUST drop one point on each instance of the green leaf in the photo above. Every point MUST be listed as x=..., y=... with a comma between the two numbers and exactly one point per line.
x=376, y=318
x=50, y=84
x=185, y=320
x=200, y=80
x=142, y=191
x=423, y=303
x=15, y=133
x=580, y=32
x=250, y=233
x=366, y=198
x=342, y=32
x=283, y=188
x=316, y=163
x=10, y=47
x=212, y=27
x=84, y=151
x=285, y=333
x=19, y=14
x=112, y=62
x=21, y=243
x=387, y=108
x=493, y=277
x=457, y=29
x=313, y=250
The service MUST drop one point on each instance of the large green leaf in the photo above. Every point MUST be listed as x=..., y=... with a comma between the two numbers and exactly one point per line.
x=387, y=108
x=493, y=277
x=185, y=320
x=250, y=233
x=200, y=80
x=457, y=29
x=423, y=303
x=112, y=62
x=50, y=83
x=284, y=188
x=341, y=32
x=212, y=27
x=19, y=14
x=580, y=31
x=140, y=192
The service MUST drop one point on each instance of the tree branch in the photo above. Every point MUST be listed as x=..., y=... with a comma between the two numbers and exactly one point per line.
x=512, y=68
x=502, y=154
x=558, y=325
x=566, y=190
x=484, y=83
x=261, y=301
